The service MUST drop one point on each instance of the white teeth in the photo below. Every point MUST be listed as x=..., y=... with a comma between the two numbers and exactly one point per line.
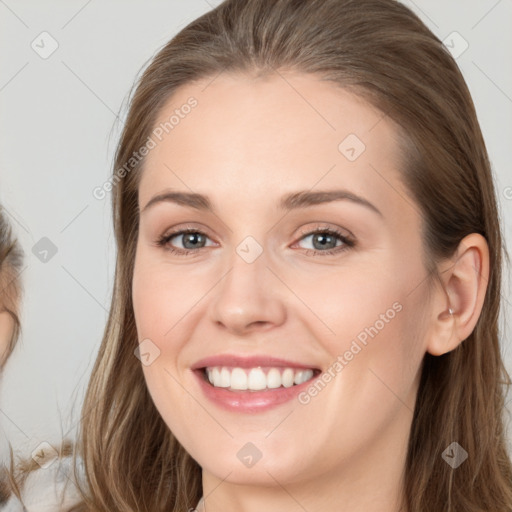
x=225, y=378
x=219, y=376
x=302, y=376
x=238, y=379
x=255, y=379
x=273, y=378
x=287, y=378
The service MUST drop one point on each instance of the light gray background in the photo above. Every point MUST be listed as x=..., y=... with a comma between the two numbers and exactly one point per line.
x=58, y=133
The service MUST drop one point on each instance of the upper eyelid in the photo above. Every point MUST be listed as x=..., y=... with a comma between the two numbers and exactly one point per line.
x=323, y=227
x=303, y=231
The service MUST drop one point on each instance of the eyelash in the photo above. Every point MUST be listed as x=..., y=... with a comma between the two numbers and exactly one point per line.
x=348, y=242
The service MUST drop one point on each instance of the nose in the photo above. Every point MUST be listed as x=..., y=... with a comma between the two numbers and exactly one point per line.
x=248, y=297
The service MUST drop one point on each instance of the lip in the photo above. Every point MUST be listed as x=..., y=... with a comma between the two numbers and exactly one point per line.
x=246, y=401
x=249, y=362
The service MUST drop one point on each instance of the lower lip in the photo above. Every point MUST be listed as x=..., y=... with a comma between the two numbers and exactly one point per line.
x=249, y=401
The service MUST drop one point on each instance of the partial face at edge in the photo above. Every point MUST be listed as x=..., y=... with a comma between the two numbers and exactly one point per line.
x=7, y=325
x=354, y=295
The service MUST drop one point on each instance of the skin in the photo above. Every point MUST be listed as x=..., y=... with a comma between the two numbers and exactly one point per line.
x=6, y=333
x=248, y=143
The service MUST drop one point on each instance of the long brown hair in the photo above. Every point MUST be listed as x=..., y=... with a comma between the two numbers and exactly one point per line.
x=382, y=51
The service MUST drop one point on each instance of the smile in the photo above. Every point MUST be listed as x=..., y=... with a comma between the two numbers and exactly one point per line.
x=256, y=379
x=243, y=383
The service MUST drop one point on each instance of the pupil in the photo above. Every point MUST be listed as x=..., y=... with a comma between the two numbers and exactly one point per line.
x=191, y=237
x=325, y=240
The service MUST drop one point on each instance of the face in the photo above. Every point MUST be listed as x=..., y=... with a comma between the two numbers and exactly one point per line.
x=300, y=265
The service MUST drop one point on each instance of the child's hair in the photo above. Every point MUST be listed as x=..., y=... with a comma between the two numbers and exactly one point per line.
x=45, y=482
x=11, y=261
x=381, y=51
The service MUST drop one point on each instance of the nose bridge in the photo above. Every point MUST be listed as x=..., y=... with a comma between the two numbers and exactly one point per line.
x=246, y=296
x=247, y=274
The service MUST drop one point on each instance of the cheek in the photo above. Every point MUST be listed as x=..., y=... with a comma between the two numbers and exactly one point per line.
x=6, y=334
x=152, y=302
x=162, y=295
x=351, y=304
x=160, y=299
x=376, y=321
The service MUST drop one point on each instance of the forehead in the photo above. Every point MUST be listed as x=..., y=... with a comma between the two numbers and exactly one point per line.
x=276, y=133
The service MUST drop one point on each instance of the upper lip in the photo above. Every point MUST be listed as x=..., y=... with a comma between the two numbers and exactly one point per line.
x=248, y=362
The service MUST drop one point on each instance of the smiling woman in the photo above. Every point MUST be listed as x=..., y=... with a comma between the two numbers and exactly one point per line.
x=322, y=224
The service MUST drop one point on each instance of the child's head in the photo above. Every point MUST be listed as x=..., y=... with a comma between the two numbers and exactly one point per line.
x=11, y=259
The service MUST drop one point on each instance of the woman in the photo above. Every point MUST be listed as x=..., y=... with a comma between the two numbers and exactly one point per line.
x=307, y=285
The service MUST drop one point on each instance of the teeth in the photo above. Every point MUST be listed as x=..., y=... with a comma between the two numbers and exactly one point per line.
x=238, y=379
x=225, y=378
x=287, y=378
x=255, y=379
x=273, y=378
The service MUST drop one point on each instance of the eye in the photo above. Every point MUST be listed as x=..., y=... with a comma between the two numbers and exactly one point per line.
x=327, y=241
x=191, y=240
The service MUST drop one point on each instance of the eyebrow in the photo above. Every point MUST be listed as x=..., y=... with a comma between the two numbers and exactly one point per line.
x=293, y=201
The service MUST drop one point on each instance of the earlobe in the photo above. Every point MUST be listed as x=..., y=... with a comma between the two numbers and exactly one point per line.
x=459, y=303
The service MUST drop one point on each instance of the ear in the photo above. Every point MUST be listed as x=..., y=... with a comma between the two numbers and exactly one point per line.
x=458, y=303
